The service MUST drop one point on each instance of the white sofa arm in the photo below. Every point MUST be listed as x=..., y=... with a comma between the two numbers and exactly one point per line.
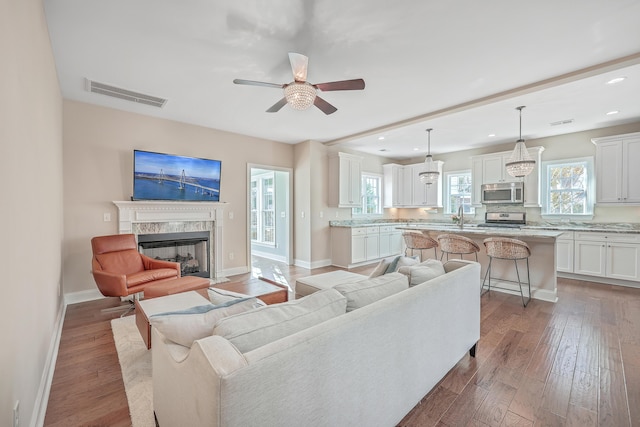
x=455, y=264
x=200, y=372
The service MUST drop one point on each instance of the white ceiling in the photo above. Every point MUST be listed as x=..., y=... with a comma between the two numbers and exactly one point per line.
x=459, y=67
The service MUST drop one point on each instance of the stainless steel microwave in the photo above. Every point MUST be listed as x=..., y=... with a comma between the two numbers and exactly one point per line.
x=503, y=192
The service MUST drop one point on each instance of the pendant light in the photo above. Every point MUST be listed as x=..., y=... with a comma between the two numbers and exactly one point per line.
x=430, y=174
x=520, y=163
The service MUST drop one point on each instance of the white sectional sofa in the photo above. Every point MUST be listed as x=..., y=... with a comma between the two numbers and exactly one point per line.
x=365, y=367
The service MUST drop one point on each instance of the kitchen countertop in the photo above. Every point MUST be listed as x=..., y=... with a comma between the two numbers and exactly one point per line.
x=486, y=231
x=632, y=228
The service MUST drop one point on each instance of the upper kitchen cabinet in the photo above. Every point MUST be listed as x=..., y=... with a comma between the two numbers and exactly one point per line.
x=491, y=169
x=403, y=188
x=617, y=170
x=345, y=181
x=423, y=195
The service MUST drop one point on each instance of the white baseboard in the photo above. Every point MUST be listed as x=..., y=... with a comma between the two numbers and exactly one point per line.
x=82, y=296
x=42, y=398
x=598, y=279
x=514, y=289
x=272, y=257
x=311, y=265
x=235, y=271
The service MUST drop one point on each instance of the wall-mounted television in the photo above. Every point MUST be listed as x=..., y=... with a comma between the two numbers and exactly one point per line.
x=159, y=176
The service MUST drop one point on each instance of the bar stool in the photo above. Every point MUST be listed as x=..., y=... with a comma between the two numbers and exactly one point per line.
x=509, y=249
x=455, y=244
x=419, y=241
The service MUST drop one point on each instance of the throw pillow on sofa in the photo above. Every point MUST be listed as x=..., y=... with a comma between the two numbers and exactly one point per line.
x=186, y=326
x=250, y=330
x=423, y=272
x=391, y=265
x=367, y=291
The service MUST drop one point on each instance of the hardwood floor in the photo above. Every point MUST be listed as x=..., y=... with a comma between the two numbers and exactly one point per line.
x=573, y=363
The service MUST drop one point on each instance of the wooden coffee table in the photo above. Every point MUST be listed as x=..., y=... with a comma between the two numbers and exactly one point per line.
x=267, y=290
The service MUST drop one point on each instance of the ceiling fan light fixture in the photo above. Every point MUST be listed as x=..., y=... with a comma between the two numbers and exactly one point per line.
x=300, y=96
x=430, y=175
x=520, y=163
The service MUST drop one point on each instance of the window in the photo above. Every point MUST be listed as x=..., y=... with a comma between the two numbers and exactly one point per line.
x=567, y=187
x=457, y=187
x=263, y=209
x=371, y=195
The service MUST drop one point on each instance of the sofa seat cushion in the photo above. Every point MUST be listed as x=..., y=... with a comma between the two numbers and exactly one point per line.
x=186, y=326
x=423, y=272
x=253, y=329
x=145, y=276
x=367, y=291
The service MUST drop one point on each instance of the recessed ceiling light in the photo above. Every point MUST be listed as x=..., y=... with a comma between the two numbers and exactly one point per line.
x=380, y=138
x=616, y=80
x=611, y=113
x=491, y=135
x=416, y=149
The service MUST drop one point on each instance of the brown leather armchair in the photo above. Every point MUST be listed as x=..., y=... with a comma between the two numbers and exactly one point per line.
x=120, y=270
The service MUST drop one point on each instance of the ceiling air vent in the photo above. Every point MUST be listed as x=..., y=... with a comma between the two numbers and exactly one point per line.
x=562, y=122
x=127, y=95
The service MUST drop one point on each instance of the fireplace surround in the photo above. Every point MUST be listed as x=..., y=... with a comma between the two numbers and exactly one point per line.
x=157, y=217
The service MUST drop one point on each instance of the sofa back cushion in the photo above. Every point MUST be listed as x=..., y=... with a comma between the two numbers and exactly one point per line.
x=371, y=290
x=253, y=329
x=186, y=326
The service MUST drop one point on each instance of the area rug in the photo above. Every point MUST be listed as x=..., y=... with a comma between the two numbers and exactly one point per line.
x=135, y=363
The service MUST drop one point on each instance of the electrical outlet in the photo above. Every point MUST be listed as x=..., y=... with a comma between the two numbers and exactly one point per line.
x=302, y=214
x=321, y=214
x=106, y=217
x=231, y=256
x=231, y=215
x=16, y=414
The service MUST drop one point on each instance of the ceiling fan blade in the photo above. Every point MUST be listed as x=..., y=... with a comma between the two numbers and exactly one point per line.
x=324, y=106
x=299, y=64
x=255, y=83
x=355, y=84
x=277, y=106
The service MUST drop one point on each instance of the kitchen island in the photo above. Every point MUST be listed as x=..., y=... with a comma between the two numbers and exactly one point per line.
x=542, y=261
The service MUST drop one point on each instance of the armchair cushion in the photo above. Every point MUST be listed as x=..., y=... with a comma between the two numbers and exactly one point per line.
x=123, y=262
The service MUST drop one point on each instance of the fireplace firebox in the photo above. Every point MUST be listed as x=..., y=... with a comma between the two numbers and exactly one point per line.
x=190, y=249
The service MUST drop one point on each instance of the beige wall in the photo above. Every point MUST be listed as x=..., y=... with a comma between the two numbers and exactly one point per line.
x=98, y=169
x=31, y=214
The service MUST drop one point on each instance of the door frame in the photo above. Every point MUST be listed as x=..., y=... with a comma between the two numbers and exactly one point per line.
x=288, y=206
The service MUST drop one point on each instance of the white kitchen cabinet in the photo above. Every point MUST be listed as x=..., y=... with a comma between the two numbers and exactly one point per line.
x=345, y=181
x=423, y=195
x=564, y=252
x=403, y=188
x=351, y=246
x=612, y=255
x=390, y=241
x=617, y=171
x=398, y=186
x=491, y=169
x=476, y=181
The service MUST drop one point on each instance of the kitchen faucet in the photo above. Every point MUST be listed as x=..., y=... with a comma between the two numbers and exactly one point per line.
x=461, y=215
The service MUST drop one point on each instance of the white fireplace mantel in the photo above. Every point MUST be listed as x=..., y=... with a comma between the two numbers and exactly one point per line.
x=131, y=213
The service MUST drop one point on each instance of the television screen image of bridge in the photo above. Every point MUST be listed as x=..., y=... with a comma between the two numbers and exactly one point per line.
x=164, y=186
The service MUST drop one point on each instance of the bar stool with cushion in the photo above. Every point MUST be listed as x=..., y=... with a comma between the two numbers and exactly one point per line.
x=508, y=249
x=458, y=245
x=419, y=241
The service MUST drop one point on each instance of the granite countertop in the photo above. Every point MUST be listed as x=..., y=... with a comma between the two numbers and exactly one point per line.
x=631, y=228
x=486, y=231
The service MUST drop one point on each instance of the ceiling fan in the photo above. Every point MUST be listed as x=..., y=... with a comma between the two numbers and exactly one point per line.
x=300, y=94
